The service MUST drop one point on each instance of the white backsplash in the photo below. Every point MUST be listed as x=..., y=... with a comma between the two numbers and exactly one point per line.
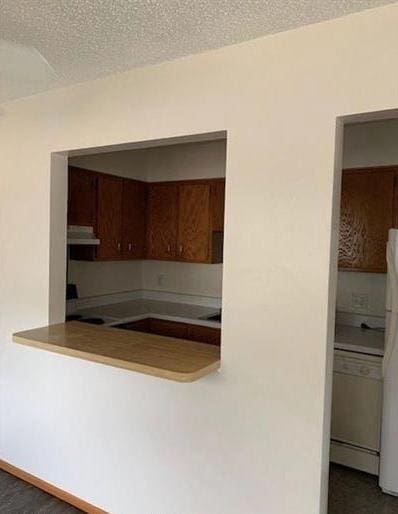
x=361, y=293
x=355, y=320
x=108, y=299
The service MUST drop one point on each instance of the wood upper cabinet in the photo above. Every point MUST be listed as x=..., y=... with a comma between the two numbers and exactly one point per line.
x=186, y=221
x=193, y=243
x=162, y=221
x=109, y=224
x=173, y=221
x=367, y=213
x=115, y=207
x=134, y=219
x=82, y=197
x=217, y=205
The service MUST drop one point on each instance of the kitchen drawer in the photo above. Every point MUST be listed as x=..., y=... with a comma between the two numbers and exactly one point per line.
x=168, y=328
x=141, y=325
x=203, y=334
x=198, y=333
x=357, y=364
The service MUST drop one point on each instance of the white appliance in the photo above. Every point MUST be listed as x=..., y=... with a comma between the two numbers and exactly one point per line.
x=388, y=477
x=356, y=409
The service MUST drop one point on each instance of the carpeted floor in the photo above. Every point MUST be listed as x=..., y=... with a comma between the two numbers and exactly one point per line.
x=353, y=492
x=18, y=497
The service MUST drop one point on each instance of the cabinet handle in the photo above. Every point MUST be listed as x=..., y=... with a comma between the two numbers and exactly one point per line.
x=119, y=246
x=181, y=248
x=168, y=248
x=130, y=247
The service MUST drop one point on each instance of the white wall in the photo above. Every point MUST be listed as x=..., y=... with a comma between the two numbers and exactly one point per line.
x=129, y=164
x=188, y=161
x=185, y=278
x=99, y=278
x=174, y=162
x=371, y=144
x=250, y=438
x=373, y=285
x=367, y=144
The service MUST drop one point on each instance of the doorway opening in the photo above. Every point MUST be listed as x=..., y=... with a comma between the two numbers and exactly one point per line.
x=364, y=417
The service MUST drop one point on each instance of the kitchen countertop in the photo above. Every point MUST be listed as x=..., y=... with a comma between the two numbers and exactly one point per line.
x=135, y=310
x=359, y=340
x=164, y=357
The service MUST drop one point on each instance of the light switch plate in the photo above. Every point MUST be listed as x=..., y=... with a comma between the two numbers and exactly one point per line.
x=360, y=302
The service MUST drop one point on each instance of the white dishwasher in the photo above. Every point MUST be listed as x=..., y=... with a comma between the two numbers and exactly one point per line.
x=356, y=410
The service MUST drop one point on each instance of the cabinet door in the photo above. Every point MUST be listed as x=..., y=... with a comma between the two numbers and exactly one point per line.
x=134, y=219
x=203, y=334
x=217, y=199
x=141, y=325
x=365, y=218
x=109, y=217
x=356, y=410
x=162, y=221
x=82, y=197
x=194, y=223
x=168, y=328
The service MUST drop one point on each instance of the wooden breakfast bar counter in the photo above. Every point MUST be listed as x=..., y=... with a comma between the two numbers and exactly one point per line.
x=159, y=356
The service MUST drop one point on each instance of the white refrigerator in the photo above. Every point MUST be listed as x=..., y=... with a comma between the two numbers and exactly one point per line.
x=388, y=476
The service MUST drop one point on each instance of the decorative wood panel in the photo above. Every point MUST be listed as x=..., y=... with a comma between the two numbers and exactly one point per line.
x=82, y=197
x=162, y=221
x=134, y=219
x=194, y=223
x=366, y=216
x=109, y=227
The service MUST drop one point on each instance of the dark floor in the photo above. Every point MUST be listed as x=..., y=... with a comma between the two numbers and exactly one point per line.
x=18, y=497
x=353, y=492
x=350, y=492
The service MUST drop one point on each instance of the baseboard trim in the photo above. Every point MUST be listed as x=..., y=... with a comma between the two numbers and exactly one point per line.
x=354, y=457
x=50, y=489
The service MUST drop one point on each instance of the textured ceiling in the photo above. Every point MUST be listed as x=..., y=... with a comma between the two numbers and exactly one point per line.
x=87, y=39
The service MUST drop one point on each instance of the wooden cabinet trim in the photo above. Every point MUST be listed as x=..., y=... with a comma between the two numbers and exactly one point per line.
x=188, y=182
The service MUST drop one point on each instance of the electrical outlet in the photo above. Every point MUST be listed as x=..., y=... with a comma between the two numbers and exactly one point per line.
x=160, y=279
x=83, y=303
x=360, y=302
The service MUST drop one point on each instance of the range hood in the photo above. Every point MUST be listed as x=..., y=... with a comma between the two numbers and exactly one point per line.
x=80, y=235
